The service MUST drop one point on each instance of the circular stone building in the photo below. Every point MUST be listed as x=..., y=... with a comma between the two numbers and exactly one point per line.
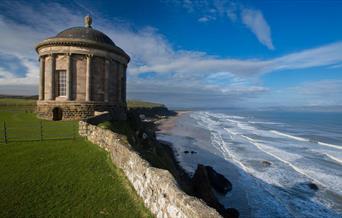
x=82, y=71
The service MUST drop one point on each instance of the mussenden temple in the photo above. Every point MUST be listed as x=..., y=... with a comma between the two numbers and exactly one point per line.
x=82, y=71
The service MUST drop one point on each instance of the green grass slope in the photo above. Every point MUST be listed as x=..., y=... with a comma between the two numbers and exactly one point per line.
x=59, y=178
x=63, y=179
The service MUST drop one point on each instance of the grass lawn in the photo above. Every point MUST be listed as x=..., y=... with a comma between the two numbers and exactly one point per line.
x=60, y=178
x=17, y=101
x=142, y=104
x=23, y=125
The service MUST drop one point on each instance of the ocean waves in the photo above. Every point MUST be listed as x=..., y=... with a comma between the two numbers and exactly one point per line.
x=305, y=140
x=274, y=156
x=289, y=136
x=330, y=145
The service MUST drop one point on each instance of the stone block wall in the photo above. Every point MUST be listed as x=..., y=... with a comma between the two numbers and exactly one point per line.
x=157, y=187
x=78, y=110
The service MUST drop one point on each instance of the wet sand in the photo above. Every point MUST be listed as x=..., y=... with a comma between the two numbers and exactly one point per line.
x=166, y=124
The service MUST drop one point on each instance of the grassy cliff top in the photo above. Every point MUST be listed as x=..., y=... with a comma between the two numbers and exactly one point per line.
x=142, y=104
x=17, y=101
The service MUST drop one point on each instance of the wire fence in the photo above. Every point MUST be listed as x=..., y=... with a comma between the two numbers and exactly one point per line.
x=37, y=131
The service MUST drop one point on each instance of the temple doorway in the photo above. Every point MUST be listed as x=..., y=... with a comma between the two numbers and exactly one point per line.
x=57, y=114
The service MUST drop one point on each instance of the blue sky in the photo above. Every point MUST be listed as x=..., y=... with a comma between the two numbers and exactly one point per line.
x=194, y=53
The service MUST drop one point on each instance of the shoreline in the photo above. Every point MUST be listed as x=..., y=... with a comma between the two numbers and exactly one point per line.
x=255, y=167
x=165, y=124
x=185, y=179
x=182, y=176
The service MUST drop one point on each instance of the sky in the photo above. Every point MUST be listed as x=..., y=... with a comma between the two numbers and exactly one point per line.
x=204, y=53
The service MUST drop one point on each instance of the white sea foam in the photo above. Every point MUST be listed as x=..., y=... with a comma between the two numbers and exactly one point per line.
x=232, y=121
x=290, y=136
x=230, y=131
x=220, y=115
x=299, y=170
x=338, y=160
x=264, y=122
x=330, y=145
x=235, y=117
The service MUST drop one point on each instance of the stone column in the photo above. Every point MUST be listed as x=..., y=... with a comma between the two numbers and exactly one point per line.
x=52, y=77
x=42, y=78
x=69, y=77
x=88, y=78
x=119, y=79
x=106, y=80
x=124, y=68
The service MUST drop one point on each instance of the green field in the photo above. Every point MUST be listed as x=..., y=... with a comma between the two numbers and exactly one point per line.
x=60, y=178
x=20, y=125
x=142, y=104
x=16, y=101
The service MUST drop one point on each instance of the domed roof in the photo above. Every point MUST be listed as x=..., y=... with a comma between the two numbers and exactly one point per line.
x=86, y=33
x=83, y=36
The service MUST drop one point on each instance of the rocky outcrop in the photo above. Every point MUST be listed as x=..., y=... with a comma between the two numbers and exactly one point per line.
x=202, y=187
x=218, y=181
x=204, y=181
x=313, y=186
x=158, y=188
x=153, y=112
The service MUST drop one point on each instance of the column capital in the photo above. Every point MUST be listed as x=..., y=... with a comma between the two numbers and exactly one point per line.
x=41, y=58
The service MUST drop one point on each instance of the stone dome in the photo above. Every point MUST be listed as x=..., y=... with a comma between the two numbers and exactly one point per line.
x=84, y=37
x=86, y=33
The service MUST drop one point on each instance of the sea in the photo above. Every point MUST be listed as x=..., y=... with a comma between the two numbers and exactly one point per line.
x=272, y=158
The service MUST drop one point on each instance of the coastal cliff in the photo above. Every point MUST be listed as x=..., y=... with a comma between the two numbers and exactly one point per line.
x=152, y=168
x=145, y=122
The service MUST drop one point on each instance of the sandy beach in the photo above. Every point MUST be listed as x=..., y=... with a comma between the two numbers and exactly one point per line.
x=164, y=125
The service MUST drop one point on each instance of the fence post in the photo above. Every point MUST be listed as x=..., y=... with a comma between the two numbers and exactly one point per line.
x=41, y=130
x=74, y=130
x=5, y=132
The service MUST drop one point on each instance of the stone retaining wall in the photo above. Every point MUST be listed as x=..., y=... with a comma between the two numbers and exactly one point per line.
x=157, y=187
x=73, y=110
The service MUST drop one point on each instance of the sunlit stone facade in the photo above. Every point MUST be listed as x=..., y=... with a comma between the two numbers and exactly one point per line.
x=81, y=71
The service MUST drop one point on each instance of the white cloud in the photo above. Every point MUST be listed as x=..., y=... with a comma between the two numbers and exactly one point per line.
x=206, y=18
x=20, y=36
x=195, y=63
x=253, y=19
x=256, y=22
x=312, y=93
x=203, y=19
x=232, y=14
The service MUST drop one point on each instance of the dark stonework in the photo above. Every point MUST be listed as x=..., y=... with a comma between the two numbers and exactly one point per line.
x=78, y=110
